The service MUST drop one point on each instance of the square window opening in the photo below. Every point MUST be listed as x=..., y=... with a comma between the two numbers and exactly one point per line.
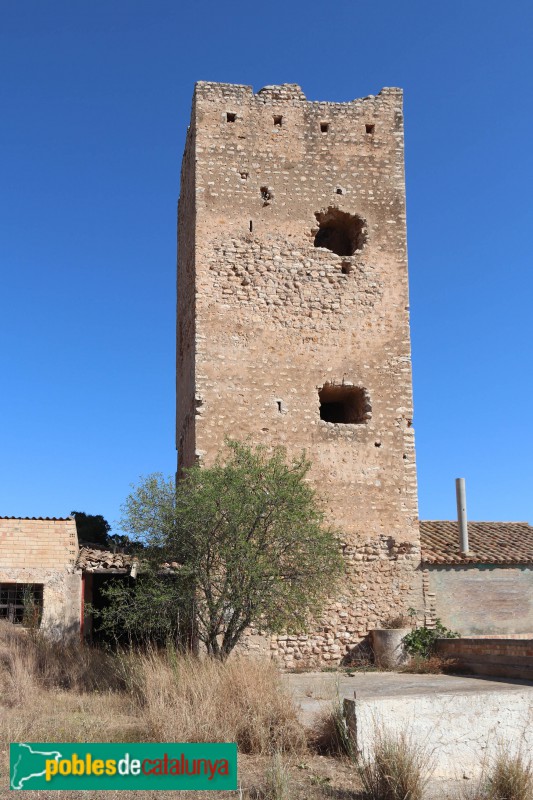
x=278, y=120
x=230, y=117
x=324, y=127
x=346, y=405
x=370, y=129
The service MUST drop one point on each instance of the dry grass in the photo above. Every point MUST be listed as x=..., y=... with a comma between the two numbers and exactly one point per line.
x=66, y=692
x=433, y=665
x=277, y=780
x=183, y=698
x=397, y=770
x=508, y=777
x=331, y=735
x=511, y=778
x=30, y=662
x=399, y=621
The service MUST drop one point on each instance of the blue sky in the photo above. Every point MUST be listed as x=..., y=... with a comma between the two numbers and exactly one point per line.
x=95, y=100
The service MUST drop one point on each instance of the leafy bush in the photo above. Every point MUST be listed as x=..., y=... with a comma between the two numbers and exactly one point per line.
x=422, y=641
x=150, y=609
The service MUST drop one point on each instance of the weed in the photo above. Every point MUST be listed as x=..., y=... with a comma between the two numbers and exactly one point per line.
x=277, y=780
x=80, y=693
x=422, y=641
x=508, y=777
x=400, y=621
x=433, y=665
x=397, y=769
x=332, y=736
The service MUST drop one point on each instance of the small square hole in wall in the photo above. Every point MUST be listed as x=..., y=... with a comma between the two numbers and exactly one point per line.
x=324, y=127
x=244, y=176
x=230, y=117
x=339, y=190
x=370, y=129
x=346, y=267
x=348, y=405
x=278, y=119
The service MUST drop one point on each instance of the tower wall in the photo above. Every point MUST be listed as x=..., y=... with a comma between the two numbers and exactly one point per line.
x=267, y=319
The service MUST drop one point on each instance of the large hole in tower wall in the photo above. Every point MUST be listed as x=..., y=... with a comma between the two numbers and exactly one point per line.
x=340, y=232
x=348, y=405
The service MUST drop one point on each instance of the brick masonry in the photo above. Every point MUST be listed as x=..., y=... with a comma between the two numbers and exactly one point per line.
x=481, y=598
x=499, y=656
x=266, y=319
x=43, y=551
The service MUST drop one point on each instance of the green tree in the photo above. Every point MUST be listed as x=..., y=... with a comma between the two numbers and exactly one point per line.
x=91, y=528
x=250, y=537
x=94, y=529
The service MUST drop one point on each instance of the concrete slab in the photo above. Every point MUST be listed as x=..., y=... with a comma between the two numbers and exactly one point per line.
x=459, y=721
x=315, y=691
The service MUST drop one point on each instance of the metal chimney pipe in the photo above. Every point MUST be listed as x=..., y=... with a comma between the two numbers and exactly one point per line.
x=460, y=493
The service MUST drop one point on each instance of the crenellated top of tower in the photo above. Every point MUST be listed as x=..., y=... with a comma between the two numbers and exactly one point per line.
x=282, y=93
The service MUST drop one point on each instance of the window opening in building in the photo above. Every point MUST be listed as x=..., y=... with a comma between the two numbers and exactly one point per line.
x=347, y=405
x=370, y=129
x=324, y=127
x=21, y=603
x=251, y=226
x=340, y=232
x=230, y=117
x=278, y=119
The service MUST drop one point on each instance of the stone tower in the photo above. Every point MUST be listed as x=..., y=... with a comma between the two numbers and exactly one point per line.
x=293, y=321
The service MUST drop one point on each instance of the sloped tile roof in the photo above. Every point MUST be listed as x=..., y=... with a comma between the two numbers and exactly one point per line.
x=97, y=559
x=91, y=559
x=489, y=542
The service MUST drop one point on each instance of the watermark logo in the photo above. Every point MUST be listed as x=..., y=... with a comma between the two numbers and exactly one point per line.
x=123, y=766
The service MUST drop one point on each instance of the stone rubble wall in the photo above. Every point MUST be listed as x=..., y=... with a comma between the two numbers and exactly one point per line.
x=266, y=319
x=381, y=582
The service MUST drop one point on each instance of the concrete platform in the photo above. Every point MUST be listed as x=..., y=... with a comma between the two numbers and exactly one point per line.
x=460, y=721
x=315, y=691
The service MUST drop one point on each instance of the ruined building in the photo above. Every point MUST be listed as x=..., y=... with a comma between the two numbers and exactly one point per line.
x=293, y=323
x=37, y=571
x=47, y=577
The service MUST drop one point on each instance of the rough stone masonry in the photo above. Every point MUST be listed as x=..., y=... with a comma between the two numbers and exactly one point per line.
x=293, y=324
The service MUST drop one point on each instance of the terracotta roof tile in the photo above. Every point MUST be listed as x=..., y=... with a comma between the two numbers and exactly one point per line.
x=97, y=559
x=489, y=542
x=93, y=559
